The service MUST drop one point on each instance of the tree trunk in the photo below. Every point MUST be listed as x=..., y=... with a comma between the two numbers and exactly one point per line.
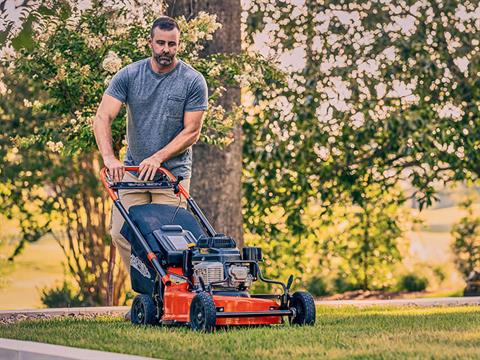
x=216, y=177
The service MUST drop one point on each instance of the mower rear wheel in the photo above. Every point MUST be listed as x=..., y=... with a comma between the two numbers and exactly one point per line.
x=303, y=307
x=144, y=310
x=203, y=313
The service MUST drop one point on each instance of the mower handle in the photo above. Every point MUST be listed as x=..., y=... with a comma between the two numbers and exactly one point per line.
x=104, y=176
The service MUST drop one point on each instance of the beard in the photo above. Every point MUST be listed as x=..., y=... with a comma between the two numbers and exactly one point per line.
x=163, y=59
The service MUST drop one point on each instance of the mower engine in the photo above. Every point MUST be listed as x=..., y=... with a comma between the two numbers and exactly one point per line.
x=218, y=262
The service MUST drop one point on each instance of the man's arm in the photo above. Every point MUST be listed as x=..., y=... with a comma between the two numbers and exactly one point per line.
x=192, y=125
x=102, y=128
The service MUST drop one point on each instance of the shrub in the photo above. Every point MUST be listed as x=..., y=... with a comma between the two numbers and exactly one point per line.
x=412, y=282
x=61, y=296
x=466, y=246
x=341, y=285
x=439, y=273
x=317, y=286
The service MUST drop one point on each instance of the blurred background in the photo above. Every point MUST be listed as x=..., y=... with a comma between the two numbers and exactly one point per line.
x=341, y=137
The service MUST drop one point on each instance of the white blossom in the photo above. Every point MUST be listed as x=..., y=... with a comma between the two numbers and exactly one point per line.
x=390, y=53
x=3, y=88
x=406, y=24
x=55, y=146
x=322, y=152
x=380, y=89
x=112, y=63
x=462, y=64
x=358, y=119
x=294, y=60
x=449, y=110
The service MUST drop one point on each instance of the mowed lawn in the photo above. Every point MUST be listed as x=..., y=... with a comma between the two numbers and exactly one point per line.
x=346, y=332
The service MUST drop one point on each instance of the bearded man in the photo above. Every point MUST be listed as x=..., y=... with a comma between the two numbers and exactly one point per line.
x=165, y=100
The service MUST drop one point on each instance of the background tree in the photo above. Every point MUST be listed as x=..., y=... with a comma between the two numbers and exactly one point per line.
x=466, y=246
x=216, y=175
x=378, y=92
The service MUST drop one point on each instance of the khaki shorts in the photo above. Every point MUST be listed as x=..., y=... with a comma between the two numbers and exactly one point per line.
x=131, y=197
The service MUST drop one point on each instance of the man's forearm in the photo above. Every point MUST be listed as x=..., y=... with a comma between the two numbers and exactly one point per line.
x=179, y=144
x=103, y=136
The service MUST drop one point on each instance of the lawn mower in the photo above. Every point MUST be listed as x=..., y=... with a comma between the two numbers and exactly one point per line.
x=187, y=273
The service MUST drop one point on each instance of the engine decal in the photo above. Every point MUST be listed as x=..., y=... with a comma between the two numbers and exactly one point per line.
x=140, y=266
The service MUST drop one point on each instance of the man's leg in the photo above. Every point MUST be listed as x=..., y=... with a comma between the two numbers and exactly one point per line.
x=128, y=198
x=166, y=196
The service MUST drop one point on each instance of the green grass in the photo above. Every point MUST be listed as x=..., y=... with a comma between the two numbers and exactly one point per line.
x=347, y=332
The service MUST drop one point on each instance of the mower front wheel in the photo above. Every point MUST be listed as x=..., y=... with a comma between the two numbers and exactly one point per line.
x=144, y=310
x=303, y=307
x=203, y=313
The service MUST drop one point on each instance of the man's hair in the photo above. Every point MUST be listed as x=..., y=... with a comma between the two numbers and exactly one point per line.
x=164, y=23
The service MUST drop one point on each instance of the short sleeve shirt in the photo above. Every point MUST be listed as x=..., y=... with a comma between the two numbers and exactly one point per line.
x=156, y=104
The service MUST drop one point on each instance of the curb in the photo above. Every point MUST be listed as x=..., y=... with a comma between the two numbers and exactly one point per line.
x=425, y=302
x=29, y=350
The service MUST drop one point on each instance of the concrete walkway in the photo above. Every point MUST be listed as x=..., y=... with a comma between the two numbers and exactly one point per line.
x=29, y=350
x=446, y=301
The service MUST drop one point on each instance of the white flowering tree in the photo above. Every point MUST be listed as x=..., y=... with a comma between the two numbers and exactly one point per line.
x=378, y=92
x=50, y=173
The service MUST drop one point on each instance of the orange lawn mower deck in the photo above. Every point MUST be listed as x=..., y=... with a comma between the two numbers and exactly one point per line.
x=187, y=273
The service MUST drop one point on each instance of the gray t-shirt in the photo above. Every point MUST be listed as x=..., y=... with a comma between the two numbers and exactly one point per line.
x=156, y=104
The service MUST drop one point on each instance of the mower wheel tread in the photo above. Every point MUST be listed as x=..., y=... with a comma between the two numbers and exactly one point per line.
x=144, y=310
x=203, y=313
x=304, y=306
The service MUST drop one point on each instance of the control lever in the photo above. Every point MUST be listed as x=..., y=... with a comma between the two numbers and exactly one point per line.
x=175, y=184
x=289, y=282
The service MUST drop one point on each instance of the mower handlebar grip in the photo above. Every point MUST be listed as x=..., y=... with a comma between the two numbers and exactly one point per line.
x=113, y=194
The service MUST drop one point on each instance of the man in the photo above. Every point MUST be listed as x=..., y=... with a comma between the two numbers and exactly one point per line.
x=165, y=99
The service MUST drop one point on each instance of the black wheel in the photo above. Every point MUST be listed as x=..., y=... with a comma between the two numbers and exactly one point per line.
x=303, y=307
x=203, y=314
x=144, y=310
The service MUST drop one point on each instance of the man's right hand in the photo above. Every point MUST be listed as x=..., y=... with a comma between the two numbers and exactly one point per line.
x=115, y=168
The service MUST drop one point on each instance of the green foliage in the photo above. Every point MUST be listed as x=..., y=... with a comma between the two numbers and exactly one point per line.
x=377, y=92
x=356, y=247
x=412, y=282
x=52, y=91
x=368, y=248
x=76, y=55
x=342, y=284
x=440, y=273
x=466, y=246
x=317, y=286
x=61, y=296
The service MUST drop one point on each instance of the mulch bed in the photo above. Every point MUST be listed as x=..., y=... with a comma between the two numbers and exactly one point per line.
x=14, y=317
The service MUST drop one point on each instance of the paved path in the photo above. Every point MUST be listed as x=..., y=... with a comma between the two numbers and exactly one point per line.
x=448, y=301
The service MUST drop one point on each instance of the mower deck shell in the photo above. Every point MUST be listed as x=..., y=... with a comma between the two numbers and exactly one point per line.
x=177, y=299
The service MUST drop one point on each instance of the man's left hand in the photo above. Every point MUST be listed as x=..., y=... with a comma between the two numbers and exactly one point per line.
x=148, y=168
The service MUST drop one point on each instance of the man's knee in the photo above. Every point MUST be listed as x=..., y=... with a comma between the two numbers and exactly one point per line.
x=118, y=239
